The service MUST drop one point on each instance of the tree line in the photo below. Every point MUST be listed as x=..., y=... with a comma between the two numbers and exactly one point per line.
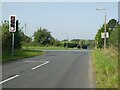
x=113, y=28
x=42, y=37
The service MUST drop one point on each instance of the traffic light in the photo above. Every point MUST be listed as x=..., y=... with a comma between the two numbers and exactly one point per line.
x=12, y=23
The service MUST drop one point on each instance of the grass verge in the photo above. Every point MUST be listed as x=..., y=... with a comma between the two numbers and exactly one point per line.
x=49, y=48
x=20, y=55
x=105, y=63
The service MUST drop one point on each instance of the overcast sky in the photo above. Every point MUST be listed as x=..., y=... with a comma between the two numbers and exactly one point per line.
x=63, y=19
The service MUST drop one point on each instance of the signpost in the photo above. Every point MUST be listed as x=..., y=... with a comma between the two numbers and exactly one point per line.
x=12, y=29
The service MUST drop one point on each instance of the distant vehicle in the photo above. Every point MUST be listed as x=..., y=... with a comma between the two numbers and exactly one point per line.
x=78, y=46
x=85, y=46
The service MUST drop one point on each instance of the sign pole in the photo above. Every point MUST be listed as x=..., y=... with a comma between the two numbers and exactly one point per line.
x=13, y=44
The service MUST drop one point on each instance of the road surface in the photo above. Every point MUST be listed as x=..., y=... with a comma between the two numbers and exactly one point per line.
x=55, y=69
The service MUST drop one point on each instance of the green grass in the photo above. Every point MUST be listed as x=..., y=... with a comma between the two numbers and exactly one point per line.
x=105, y=63
x=31, y=51
x=20, y=55
x=49, y=48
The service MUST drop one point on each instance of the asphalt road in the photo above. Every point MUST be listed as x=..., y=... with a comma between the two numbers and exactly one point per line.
x=55, y=69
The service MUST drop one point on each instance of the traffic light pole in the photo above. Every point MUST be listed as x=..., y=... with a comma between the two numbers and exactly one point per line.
x=13, y=44
x=12, y=28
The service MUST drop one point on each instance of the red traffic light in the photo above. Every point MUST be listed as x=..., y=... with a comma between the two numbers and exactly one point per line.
x=12, y=23
x=12, y=17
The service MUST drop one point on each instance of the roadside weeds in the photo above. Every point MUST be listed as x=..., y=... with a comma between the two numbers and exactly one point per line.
x=105, y=64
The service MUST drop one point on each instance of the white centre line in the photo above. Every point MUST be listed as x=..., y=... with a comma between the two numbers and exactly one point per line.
x=31, y=61
x=40, y=65
x=34, y=61
x=9, y=79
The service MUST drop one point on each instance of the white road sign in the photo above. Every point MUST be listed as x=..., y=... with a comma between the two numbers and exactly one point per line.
x=103, y=35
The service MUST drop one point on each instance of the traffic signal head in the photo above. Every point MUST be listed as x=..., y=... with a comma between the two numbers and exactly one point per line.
x=12, y=23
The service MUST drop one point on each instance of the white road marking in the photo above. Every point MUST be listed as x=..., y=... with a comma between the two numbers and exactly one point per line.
x=35, y=61
x=31, y=61
x=46, y=62
x=9, y=79
x=40, y=65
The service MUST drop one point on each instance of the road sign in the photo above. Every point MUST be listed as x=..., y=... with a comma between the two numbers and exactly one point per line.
x=103, y=35
x=12, y=23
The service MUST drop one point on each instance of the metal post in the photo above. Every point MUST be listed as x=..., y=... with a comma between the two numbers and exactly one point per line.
x=12, y=44
x=104, y=27
x=25, y=28
x=105, y=32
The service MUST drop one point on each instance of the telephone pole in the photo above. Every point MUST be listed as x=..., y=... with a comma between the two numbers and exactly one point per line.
x=104, y=26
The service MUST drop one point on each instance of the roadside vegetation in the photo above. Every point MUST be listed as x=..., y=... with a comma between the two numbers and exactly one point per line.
x=48, y=48
x=105, y=61
x=106, y=68
x=20, y=54
x=42, y=39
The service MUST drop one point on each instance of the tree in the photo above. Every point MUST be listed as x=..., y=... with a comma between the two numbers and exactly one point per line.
x=90, y=44
x=75, y=40
x=42, y=36
x=52, y=41
x=82, y=43
x=7, y=38
x=98, y=39
x=112, y=23
x=18, y=38
x=57, y=43
x=65, y=40
x=113, y=40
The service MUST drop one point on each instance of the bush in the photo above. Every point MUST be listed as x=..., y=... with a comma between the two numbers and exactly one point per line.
x=113, y=40
x=7, y=39
x=72, y=45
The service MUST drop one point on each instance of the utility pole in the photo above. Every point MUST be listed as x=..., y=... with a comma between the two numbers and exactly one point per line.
x=104, y=26
x=25, y=28
x=105, y=32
